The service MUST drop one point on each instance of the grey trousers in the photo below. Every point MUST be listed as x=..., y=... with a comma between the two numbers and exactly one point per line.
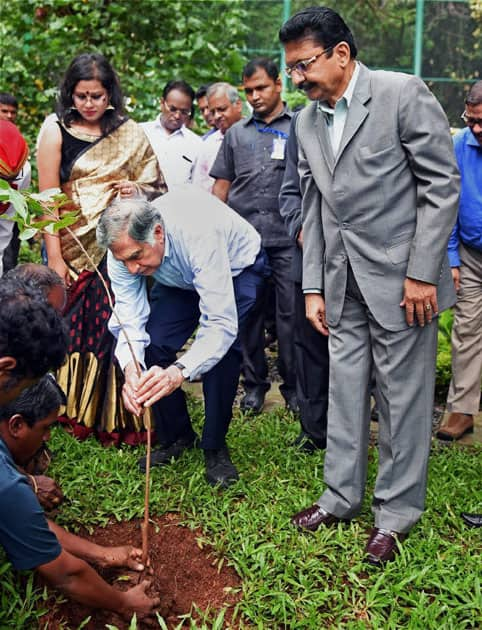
x=403, y=364
x=464, y=390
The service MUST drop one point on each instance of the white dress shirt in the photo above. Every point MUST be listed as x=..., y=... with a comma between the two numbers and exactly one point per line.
x=176, y=152
x=206, y=245
x=205, y=160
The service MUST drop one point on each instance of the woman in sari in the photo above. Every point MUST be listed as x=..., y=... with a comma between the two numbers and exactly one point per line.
x=92, y=153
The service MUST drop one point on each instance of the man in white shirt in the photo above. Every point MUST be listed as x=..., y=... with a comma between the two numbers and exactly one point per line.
x=175, y=146
x=226, y=108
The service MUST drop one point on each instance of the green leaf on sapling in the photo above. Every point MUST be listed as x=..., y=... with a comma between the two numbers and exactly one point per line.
x=35, y=206
x=27, y=234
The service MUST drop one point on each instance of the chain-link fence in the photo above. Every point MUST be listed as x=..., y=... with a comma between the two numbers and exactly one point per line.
x=439, y=40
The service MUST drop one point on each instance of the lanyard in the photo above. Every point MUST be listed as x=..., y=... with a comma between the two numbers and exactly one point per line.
x=275, y=132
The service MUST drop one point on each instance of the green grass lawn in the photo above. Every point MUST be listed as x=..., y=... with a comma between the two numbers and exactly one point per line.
x=290, y=580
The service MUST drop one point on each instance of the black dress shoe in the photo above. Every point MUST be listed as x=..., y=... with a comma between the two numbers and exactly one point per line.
x=291, y=402
x=164, y=455
x=220, y=470
x=306, y=444
x=311, y=518
x=382, y=546
x=252, y=401
x=473, y=520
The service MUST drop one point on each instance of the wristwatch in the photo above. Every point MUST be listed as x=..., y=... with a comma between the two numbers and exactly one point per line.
x=181, y=367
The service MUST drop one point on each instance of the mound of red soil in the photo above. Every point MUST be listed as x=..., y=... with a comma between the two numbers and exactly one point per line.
x=186, y=573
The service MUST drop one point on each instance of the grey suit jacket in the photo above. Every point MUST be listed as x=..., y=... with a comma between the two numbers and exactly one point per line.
x=386, y=203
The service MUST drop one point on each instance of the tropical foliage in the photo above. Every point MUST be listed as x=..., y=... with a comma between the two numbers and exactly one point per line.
x=152, y=41
x=148, y=42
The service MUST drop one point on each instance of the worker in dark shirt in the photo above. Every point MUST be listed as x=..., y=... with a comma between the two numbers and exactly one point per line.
x=29, y=539
x=249, y=171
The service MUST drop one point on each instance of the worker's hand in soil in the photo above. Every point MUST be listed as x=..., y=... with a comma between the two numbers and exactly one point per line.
x=126, y=556
x=48, y=492
x=137, y=601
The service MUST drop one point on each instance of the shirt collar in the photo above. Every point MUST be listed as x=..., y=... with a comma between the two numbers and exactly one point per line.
x=4, y=449
x=347, y=94
x=181, y=130
x=472, y=140
x=167, y=244
x=285, y=112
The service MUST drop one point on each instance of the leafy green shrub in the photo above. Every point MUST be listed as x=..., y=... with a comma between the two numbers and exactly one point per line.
x=29, y=253
x=20, y=602
x=444, y=355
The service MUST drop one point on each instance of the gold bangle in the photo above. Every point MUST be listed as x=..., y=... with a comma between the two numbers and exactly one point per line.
x=34, y=484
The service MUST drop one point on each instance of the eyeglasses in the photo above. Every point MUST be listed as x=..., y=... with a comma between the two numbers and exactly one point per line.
x=175, y=110
x=302, y=66
x=469, y=121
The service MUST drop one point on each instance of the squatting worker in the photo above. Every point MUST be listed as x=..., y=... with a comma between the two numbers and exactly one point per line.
x=30, y=540
x=209, y=270
x=380, y=192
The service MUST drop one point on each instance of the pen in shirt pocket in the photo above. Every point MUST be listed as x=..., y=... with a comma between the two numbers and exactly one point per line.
x=184, y=157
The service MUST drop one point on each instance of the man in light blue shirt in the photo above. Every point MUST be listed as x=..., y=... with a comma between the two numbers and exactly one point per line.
x=209, y=270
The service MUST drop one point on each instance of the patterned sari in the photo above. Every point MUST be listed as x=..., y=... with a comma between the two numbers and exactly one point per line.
x=90, y=378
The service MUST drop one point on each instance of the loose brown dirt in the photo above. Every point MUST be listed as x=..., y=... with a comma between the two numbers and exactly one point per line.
x=185, y=574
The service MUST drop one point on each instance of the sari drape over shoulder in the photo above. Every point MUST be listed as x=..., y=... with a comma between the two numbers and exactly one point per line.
x=90, y=377
x=123, y=154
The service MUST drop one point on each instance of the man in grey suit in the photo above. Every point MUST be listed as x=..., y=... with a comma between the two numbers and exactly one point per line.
x=380, y=192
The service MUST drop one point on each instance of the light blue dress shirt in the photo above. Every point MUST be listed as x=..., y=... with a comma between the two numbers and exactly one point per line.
x=336, y=117
x=206, y=245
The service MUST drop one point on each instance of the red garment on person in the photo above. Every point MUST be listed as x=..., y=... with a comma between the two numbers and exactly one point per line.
x=13, y=154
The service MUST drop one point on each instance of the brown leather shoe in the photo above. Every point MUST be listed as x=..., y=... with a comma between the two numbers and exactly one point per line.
x=382, y=546
x=457, y=426
x=311, y=518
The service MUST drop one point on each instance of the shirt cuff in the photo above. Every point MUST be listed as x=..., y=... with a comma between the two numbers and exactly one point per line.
x=454, y=258
x=124, y=356
x=191, y=366
x=317, y=291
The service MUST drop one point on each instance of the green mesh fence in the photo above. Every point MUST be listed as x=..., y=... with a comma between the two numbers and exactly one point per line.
x=449, y=49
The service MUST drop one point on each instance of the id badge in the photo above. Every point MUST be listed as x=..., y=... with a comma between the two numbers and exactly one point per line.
x=278, y=152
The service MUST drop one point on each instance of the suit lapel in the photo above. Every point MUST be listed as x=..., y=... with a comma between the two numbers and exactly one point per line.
x=357, y=112
x=321, y=132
